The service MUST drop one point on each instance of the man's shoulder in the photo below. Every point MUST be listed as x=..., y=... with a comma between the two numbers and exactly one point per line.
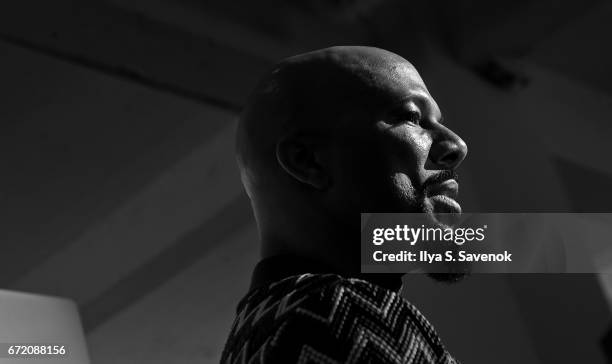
x=306, y=294
x=328, y=315
x=266, y=305
x=266, y=310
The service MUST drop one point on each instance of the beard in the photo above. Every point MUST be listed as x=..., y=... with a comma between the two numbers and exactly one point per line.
x=402, y=196
x=448, y=272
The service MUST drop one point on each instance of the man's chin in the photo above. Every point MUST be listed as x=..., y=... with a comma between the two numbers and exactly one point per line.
x=446, y=271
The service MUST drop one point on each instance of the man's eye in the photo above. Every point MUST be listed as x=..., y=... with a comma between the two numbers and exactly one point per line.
x=414, y=117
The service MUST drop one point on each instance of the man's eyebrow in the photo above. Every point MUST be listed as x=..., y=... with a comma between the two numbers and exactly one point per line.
x=400, y=104
x=420, y=95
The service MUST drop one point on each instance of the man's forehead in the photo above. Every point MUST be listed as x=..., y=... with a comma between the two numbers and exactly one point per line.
x=336, y=70
x=397, y=84
x=402, y=81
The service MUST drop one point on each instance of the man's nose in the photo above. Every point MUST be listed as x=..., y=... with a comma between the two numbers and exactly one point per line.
x=447, y=151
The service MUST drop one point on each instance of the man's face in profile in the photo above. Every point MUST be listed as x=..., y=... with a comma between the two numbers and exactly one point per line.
x=395, y=154
x=339, y=131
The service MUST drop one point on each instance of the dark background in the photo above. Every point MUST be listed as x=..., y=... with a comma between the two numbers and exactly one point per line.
x=119, y=187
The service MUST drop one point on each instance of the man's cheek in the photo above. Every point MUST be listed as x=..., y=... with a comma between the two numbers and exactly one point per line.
x=411, y=145
x=403, y=187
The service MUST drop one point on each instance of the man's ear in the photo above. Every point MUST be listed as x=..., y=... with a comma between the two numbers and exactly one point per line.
x=304, y=158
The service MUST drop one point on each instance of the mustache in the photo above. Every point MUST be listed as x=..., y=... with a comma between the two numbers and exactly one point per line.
x=441, y=177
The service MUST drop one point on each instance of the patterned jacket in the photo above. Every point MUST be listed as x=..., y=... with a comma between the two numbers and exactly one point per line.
x=325, y=318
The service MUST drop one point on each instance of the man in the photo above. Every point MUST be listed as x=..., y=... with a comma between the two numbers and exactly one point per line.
x=326, y=135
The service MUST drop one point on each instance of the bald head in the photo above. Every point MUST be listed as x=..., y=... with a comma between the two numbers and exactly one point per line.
x=312, y=93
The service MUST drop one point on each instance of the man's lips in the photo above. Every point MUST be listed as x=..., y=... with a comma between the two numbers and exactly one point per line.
x=448, y=188
x=443, y=195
